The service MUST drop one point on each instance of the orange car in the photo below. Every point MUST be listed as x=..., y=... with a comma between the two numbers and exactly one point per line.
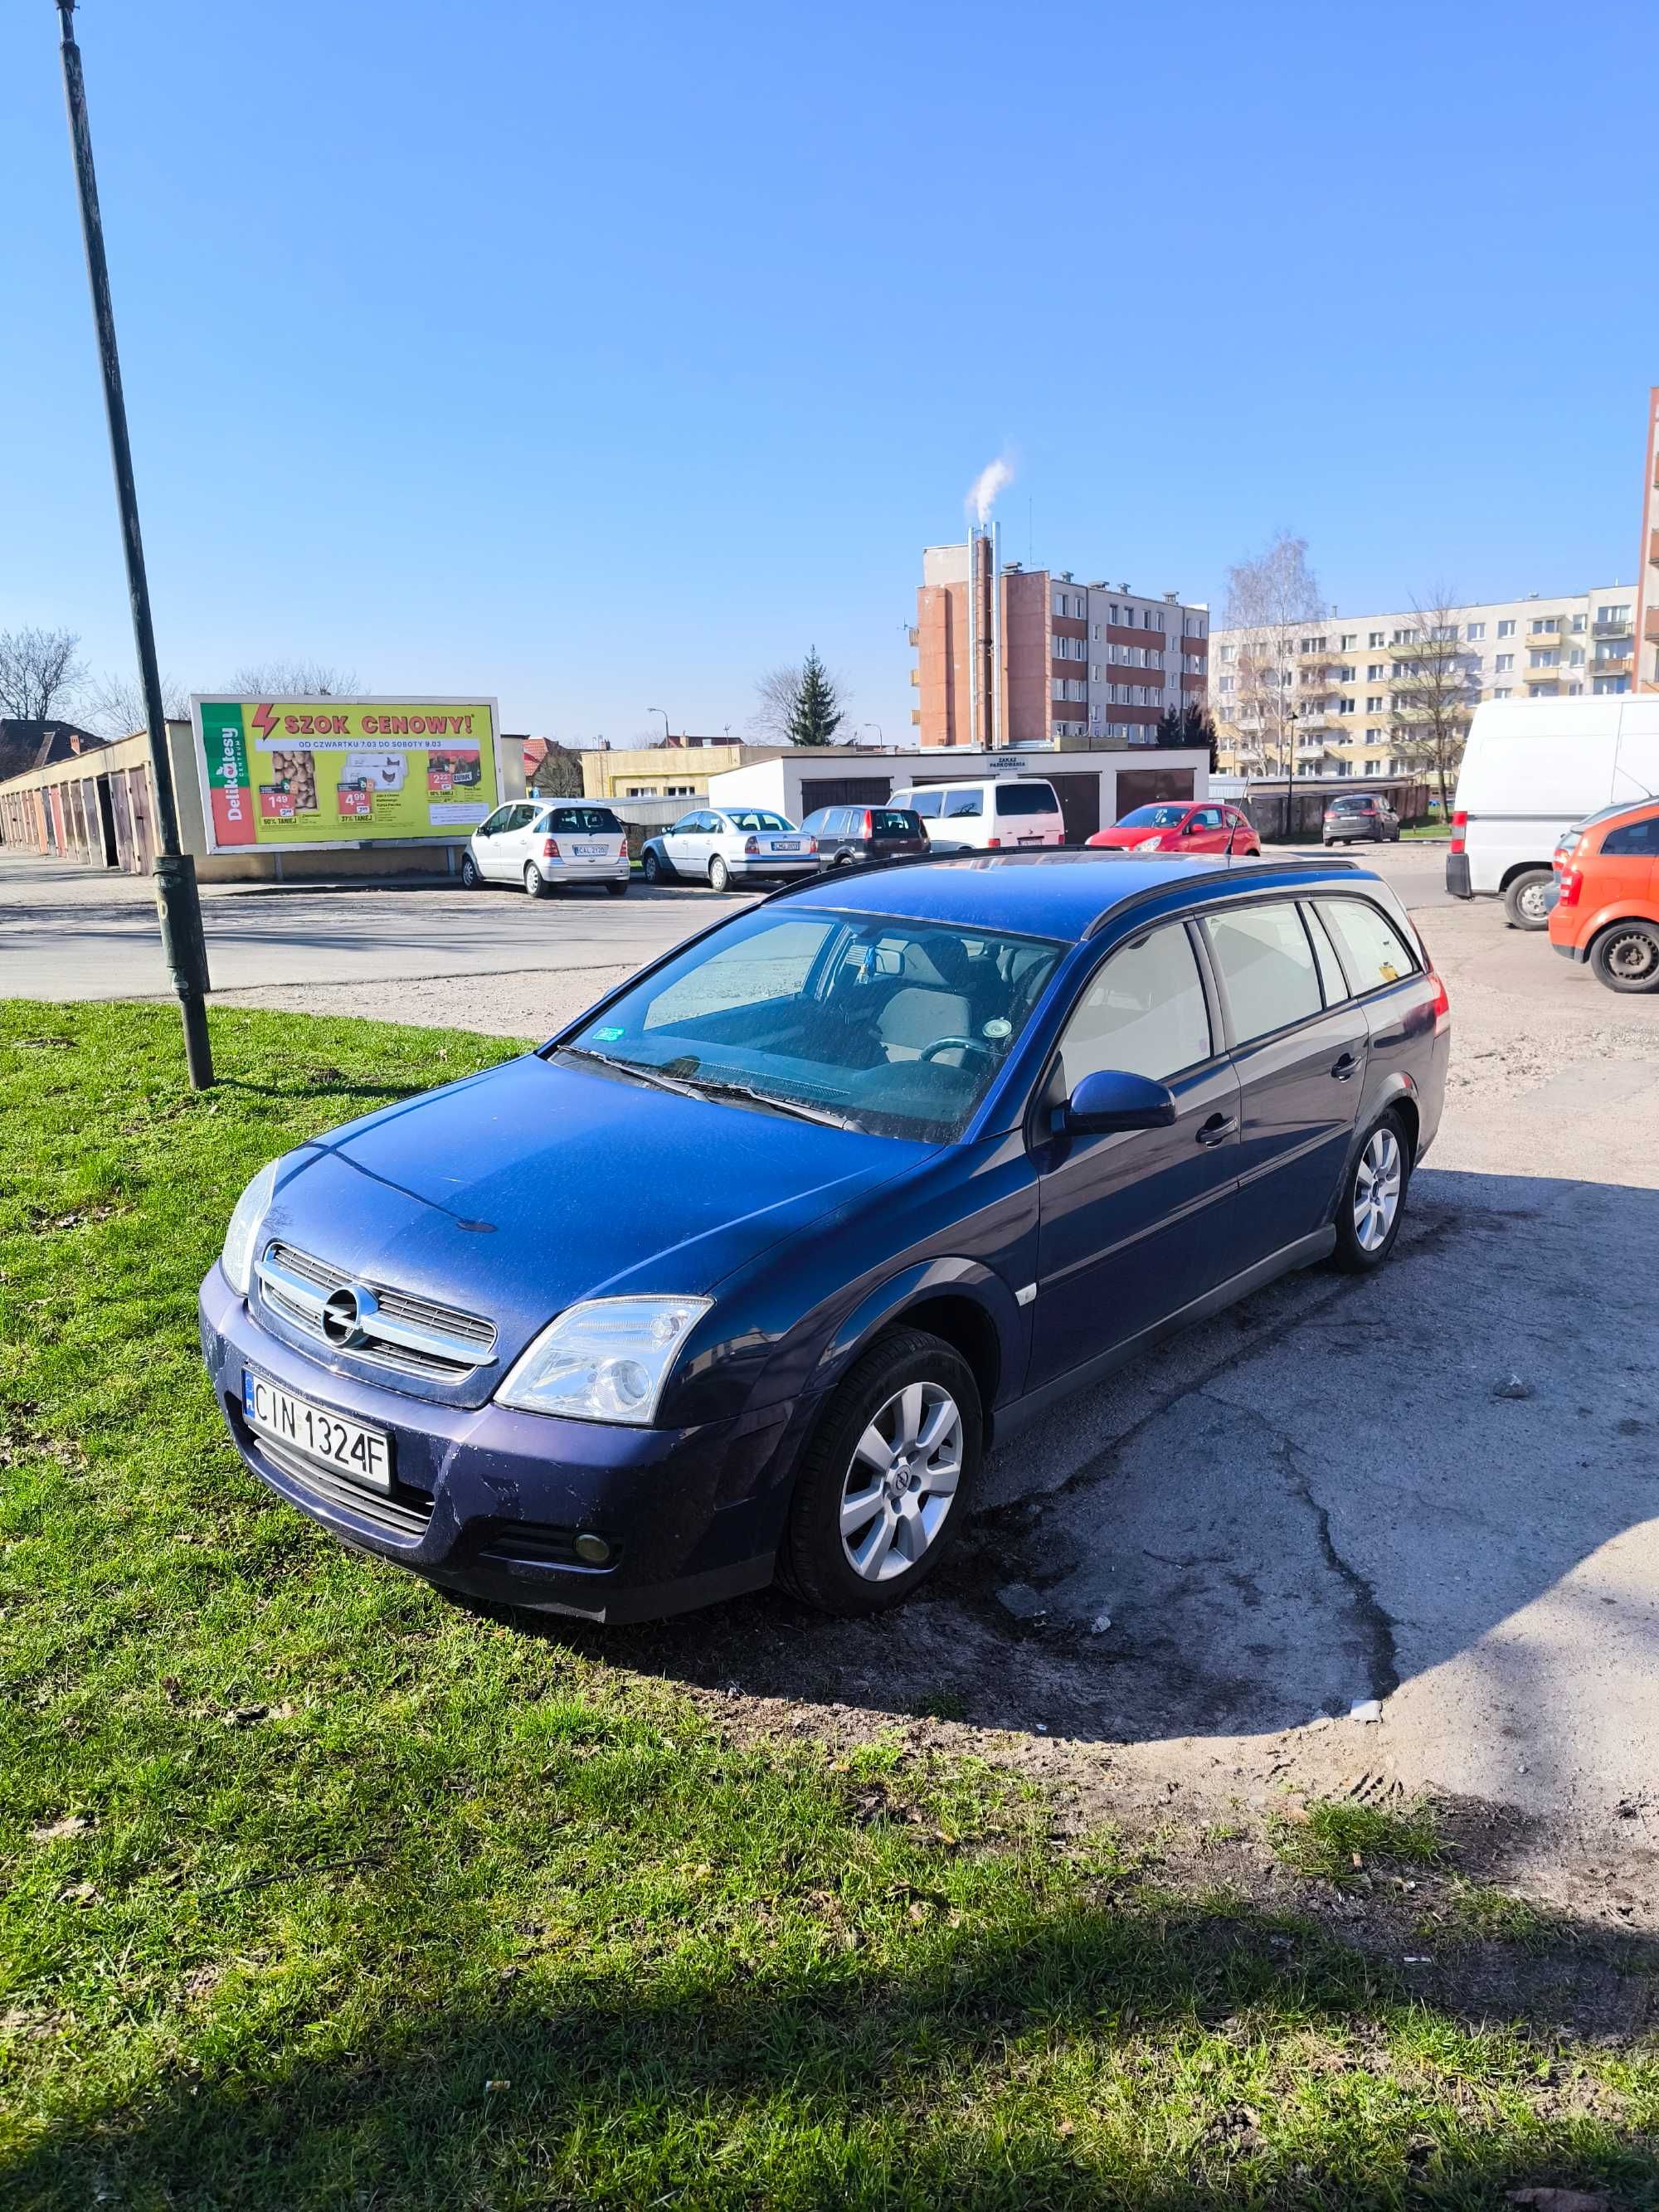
x=1605, y=906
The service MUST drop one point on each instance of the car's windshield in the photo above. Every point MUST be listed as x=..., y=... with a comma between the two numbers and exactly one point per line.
x=753, y=818
x=1152, y=818
x=890, y=1026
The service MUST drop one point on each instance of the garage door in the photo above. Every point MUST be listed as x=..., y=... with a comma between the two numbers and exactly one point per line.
x=1144, y=786
x=1080, y=806
x=844, y=791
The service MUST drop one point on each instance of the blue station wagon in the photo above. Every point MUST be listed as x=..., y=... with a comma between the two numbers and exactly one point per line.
x=739, y=1276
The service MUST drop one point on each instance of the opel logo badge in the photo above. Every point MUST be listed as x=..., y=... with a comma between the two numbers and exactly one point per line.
x=344, y=1312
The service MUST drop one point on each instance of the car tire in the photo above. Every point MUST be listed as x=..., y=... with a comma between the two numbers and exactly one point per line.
x=719, y=875
x=618, y=890
x=1625, y=957
x=471, y=878
x=652, y=869
x=534, y=881
x=819, y=1558
x=1523, y=899
x=1373, y=1200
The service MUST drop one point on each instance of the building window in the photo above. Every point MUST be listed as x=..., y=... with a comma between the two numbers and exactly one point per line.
x=1576, y=657
x=1545, y=625
x=1502, y=695
x=1344, y=676
x=1577, y=624
x=1347, y=642
x=1506, y=629
x=1373, y=767
x=1313, y=645
x=1345, y=705
x=1543, y=661
x=1374, y=705
x=1057, y=689
x=1610, y=687
x=1223, y=684
x=1503, y=663
x=1377, y=638
x=1376, y=671
x=1227, y=652
x=1606, y=617
x=1475, y=632
x=1096, y=633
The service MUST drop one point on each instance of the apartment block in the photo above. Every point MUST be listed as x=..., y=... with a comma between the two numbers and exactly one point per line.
x=1344, y=673
x=1647, y=604
x=1010, y=656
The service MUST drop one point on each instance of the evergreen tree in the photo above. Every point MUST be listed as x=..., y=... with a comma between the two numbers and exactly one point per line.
x=1167, y=732
x=816, y=714
x=1197, y=729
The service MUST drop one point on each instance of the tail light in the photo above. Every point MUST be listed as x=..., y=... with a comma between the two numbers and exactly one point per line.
x=550, y=848
x=995, y=844
x=869, y=823
x=811, y=844
x=1460, y=824
x=622, y=850
x=1572, y=882
x=1442, y=1004
x=752, y=844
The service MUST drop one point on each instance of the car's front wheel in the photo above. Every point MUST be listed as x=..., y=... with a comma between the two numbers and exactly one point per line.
x=1368, y=1213
x=651, y=868
x=471, y=878
x=719, y=875
x=883, y=1484
x=1627, y=956
x=1523, y=899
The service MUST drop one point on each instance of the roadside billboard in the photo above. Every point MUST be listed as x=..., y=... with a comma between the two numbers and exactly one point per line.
x=292, y=775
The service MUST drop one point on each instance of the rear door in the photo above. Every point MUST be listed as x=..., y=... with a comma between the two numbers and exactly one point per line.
x=1299, y=1043
x=1028, y=813
x=1138, y=1223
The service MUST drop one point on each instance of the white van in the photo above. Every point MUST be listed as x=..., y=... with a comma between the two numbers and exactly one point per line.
x=1531, y=769
x=993, y=813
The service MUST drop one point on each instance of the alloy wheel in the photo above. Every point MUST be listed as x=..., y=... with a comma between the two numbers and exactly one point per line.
x=901, y=1482
x=1376, y=1187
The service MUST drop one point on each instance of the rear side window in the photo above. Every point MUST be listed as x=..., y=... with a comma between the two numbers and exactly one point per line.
x=1145, y=1013
x=1267, y=968
x=962, y=802
x=1373, y=952
x=926, y=802
x=1026, y=799
x=1331, y=978
x=1637, y=837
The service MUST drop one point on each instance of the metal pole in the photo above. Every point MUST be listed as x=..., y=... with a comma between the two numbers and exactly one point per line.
x=177, y=901
x=663, y=711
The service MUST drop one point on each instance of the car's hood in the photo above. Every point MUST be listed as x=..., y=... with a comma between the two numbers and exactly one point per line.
x=516, y=1193
x=1120, y=839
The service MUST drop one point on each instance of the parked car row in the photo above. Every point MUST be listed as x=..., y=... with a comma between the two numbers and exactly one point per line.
x=1556, y=814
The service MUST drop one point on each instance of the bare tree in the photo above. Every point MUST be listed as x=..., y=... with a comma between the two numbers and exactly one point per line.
x=1436, y=688
x=1271, y=600
x=114, y=705
x=41, y=674
x=294, y=679
x=558, y=774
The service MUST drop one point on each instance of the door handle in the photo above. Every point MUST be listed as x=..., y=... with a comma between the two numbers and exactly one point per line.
x=1216, y=1130
x=1346, y=1066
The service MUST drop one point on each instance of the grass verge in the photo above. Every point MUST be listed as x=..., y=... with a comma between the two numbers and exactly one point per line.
x=317, y=1891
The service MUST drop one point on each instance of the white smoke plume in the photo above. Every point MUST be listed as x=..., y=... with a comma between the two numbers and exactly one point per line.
x=987, y=484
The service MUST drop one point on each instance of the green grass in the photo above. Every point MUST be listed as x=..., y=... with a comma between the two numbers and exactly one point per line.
x=1338, y=1840
x=315, y=1890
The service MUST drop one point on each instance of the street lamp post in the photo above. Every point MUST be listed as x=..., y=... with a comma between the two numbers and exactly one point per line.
x=881, y=735
x=663, y=711
x=1289, y=771
x=177, y=900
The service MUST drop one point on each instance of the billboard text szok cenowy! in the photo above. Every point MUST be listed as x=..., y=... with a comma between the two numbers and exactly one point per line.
x=289, y=772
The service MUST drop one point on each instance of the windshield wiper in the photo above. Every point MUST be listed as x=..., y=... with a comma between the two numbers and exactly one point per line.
x=641, y=1068
x=693, y=1087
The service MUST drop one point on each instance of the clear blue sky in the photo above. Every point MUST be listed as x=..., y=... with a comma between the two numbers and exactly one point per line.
x=601, y=357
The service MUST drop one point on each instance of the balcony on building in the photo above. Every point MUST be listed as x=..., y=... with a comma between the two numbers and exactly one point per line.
x=1650, y=626
x=1621, y=628
x=1611, y=664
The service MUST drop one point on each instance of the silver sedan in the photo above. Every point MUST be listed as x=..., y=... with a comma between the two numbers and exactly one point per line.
x=725, y=845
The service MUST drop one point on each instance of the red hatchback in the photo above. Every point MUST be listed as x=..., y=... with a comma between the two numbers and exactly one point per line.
x=1181, y=825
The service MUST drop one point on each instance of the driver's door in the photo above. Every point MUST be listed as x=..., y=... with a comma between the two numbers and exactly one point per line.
x=679, y=843
x=1205, y=831
x=1135, y=1223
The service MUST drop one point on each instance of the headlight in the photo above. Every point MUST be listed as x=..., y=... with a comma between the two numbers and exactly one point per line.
x=251, y=1210
x=1149, y=844
x=604, y=1361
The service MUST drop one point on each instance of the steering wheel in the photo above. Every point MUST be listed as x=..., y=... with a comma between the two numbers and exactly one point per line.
x=945, y=1044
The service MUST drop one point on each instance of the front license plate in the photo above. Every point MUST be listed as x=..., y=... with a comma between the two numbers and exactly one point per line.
x=589, y=852
x=364, y=1455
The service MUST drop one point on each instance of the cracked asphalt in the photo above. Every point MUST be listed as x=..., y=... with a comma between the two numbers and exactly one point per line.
x=1437, y=1487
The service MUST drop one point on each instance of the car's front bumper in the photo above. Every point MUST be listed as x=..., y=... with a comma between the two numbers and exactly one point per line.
x=488, y=1501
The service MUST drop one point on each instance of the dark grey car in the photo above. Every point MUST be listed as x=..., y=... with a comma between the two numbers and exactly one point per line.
x=1362, y=816
x=846, y=834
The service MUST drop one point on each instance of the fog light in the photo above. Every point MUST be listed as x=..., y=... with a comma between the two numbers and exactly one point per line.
x=592, y=1549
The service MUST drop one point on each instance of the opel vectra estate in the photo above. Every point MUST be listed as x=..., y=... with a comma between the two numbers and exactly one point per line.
x=740, y=1275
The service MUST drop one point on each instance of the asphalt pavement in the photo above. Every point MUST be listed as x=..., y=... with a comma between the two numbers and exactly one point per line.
x=1437, y=1488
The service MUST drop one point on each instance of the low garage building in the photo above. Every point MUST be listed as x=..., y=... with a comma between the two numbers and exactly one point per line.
x=1094, y=788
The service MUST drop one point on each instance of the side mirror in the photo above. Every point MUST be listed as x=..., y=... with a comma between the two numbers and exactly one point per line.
x=1112, y=1099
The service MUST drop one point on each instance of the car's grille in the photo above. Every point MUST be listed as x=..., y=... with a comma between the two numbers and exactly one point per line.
x=410, y=1335
x=404, y=1516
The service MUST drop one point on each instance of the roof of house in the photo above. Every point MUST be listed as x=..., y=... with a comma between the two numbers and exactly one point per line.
x=26, y=744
